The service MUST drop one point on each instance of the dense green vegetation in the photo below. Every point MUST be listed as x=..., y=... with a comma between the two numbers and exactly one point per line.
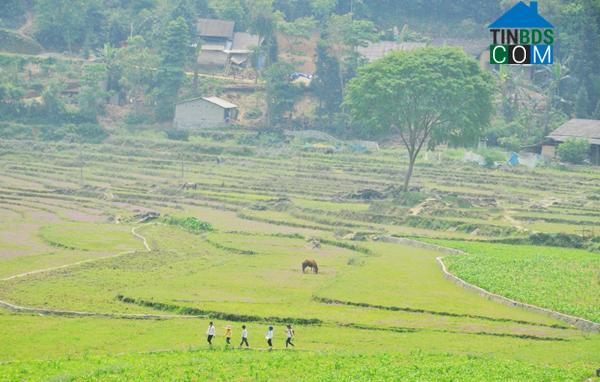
x=190, y=223
x=235, y=365
x=426, y=96
x=574, y=150
x=143, y=50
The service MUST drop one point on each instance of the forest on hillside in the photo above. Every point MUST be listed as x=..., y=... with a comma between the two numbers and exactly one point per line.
x=140, y=51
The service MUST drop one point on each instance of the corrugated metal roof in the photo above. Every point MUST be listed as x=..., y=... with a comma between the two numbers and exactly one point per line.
x=578, y=128
x=220, y=102
x=215, y=28
x=214, y=100
x=377, y=50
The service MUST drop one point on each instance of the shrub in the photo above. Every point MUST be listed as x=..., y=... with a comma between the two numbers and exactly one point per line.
x=557, y=240
x=512, y=143
x=14, y=131
x=175, y=134
x=84, y=133
x=138, y=117
x=190, y=224
x=410, y=199
x=574, y=150
x=90, y=133
x=265, y=137
x=492, y=156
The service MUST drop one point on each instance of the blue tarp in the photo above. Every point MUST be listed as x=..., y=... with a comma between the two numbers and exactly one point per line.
x=513, y=160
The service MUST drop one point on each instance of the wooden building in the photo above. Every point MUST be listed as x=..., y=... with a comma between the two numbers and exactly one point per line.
x=588, y=129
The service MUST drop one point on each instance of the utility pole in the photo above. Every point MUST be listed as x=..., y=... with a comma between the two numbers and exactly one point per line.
x=81, y=164
x=182, y=172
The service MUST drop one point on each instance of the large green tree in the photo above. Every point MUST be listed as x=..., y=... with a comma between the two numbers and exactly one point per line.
x=60, y=23
x=174, y=54
x=93, y=96
x=344, y=35
x=187, y=10
x=235, y=10
x=263, y=22
x=425, y=95
x=326, y=82
x=281, y=93
x=137, y=63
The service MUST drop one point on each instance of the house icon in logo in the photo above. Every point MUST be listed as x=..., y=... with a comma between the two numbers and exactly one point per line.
x=521, y=36
x=522, y=16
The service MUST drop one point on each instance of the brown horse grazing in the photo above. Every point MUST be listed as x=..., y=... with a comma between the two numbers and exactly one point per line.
x=312, y=264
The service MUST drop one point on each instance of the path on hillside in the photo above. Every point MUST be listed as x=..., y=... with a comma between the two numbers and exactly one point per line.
x=133, y=231
x=515, y=223
x=27, y=26
x=227, y=78
x=71, y=313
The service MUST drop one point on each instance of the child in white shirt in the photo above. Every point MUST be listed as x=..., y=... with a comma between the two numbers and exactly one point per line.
x=269, y=337
x=210, y=333
x=290, y=334
x=244, y=336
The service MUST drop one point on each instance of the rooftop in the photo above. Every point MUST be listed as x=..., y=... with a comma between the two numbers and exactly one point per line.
x=220, y=102
x=244, y=41
x=578, y=128
x=215, y=28
x=214, y=100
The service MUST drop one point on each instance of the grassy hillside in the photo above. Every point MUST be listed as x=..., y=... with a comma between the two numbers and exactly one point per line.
x=72, y=242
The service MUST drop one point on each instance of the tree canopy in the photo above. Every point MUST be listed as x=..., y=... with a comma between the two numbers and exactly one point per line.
x=425, y=95
x=171, y=75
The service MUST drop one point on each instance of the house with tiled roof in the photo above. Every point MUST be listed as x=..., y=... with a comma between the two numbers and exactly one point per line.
x=221, y=46
x=587, y=129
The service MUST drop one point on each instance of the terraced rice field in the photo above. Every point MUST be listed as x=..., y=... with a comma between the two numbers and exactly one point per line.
x=73, y=240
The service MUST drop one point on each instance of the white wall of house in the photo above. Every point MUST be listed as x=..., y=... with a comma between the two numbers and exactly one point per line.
x=199, y=114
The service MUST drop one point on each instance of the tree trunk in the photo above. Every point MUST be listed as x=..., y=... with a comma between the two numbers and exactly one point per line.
x=69, y=42
x=411, y=165
x=341, y=75
x=195, y=84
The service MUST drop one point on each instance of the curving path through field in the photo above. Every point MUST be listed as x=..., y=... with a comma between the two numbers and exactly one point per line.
x=576, y=321
x=55, y=312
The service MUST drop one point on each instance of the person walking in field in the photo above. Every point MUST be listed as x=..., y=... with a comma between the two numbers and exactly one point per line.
x=210, y=333
x=244, y=337
x=290, y=334
x=228, y=334
x=269, y=338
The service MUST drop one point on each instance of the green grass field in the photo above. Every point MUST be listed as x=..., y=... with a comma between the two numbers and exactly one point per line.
x=565, y=280
x=376, y=310
x=307, y=366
